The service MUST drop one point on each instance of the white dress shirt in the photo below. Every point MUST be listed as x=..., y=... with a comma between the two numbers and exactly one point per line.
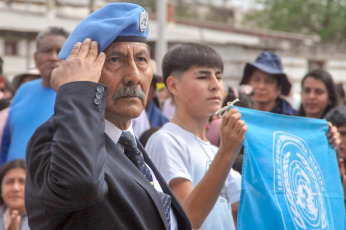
x=114, y=134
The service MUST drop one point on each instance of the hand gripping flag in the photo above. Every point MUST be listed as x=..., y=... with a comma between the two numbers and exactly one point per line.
x=290, y=175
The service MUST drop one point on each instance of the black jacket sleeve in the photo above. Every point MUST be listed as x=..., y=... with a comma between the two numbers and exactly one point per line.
x=66, y=155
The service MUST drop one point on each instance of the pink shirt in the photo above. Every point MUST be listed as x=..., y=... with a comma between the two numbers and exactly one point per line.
x=213, y=132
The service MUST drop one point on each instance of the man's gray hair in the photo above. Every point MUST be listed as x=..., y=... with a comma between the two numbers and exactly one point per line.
x=52, y=30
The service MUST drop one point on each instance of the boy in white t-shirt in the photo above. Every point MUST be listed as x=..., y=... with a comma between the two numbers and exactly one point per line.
x=199, y=174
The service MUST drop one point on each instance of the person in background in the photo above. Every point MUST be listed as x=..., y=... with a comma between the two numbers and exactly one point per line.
x=168, y=106
x=6, y=89
x=141, y=124
x=162, y=93
x=269, y=82
x=151, y=117
x=31, y=74
x=5, y=99
x=319, y=94
x=341, y=92
x=337, y=116
x=156, y=118
x=86, y=169
x=33, y=103
x=199, y=173
x=12, y=190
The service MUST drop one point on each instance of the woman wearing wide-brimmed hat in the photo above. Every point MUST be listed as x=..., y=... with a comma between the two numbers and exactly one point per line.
x=269, y=82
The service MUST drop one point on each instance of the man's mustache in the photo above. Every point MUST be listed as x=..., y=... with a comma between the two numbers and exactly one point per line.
x=129, y=92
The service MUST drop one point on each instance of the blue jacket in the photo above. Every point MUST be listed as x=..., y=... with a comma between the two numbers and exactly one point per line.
x=156, y=118
x=283, y=107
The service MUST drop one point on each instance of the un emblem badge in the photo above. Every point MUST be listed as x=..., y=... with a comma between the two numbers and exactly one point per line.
x=299, y=184
x=143, y=21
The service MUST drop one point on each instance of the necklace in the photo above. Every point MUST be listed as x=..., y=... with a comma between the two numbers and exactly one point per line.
x=181, y=124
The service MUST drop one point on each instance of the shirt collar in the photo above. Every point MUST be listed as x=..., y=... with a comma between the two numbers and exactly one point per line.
x=114, y=132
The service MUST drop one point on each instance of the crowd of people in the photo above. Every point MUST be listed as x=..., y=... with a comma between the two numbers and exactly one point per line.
x=103, y=142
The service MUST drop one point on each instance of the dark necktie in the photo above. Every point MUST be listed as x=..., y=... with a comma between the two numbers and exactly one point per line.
x=135, y=155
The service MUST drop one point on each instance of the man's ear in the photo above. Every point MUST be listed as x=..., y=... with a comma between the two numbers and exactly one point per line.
x=172, y=83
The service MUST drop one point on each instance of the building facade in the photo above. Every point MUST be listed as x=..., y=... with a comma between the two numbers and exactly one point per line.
x=21, y=20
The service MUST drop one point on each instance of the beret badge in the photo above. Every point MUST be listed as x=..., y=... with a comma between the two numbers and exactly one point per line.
x=143, y=21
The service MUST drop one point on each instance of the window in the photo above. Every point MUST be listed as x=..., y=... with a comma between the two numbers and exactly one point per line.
x=314, y=64
x=11, y=48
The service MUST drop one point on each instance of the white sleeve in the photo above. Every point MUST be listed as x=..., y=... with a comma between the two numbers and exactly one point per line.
x=233, y=184
x=140, y=124
x=169, y=156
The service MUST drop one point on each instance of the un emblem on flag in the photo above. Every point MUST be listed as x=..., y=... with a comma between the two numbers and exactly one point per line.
x=299, y=185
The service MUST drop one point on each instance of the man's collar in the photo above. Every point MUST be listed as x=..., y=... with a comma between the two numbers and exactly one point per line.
x=114, y=132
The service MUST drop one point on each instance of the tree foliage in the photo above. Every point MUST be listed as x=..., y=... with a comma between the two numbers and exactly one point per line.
x=325, y=18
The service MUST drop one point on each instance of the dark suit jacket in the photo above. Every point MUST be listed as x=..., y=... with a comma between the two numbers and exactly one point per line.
x=77, y=178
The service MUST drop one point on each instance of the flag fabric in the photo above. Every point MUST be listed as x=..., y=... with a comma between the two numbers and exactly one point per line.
x=290, y=176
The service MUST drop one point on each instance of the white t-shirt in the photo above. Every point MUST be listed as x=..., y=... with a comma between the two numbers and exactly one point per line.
x=141, y=124
x=178, y=153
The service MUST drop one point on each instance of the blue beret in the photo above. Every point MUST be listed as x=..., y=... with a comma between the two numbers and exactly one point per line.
x=113, y=22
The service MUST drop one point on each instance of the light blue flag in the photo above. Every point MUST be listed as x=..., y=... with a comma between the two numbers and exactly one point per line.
x=290, y=175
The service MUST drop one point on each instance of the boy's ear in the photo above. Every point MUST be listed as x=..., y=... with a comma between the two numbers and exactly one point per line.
x=172, y=85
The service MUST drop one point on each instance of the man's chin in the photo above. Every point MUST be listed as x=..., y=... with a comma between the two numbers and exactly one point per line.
x=135, y=113
x=129, y=111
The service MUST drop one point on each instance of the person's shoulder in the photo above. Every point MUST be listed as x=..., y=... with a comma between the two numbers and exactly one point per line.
x=32, y=83
x=165, y=131
x=283, y=107
x=28, y=86
x=168, y=133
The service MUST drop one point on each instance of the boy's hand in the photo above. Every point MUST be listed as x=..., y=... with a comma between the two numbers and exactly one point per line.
x=232, y=133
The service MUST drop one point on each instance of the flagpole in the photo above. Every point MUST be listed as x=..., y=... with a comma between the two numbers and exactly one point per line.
x=161, y=41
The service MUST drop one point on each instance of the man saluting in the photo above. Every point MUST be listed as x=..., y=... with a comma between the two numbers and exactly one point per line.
x=86, y=170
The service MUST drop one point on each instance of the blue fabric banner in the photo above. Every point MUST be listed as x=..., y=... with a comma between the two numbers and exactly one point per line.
x=290, y=175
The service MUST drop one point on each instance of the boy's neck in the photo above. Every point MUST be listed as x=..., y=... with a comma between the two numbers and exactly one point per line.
x=196, y=126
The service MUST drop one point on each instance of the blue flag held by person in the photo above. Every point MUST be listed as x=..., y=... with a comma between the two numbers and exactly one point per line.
x=290, y=175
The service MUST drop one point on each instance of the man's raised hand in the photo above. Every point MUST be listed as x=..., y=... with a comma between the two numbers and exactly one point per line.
x=83, y=64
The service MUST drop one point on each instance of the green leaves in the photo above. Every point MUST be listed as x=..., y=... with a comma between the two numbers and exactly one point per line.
x=325, y=18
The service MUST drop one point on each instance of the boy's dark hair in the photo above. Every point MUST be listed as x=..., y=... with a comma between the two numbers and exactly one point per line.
x=183, y=56
x=337, y=116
